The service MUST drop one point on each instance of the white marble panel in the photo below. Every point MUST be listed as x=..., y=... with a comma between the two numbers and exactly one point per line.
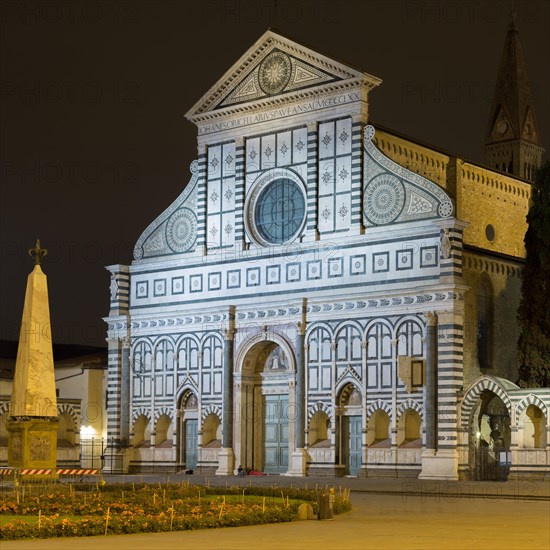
x=343, y=212
x=343, y=136
x=268, y=153
x=159, y=385
x=342, y=174
x=214, y=162
x=299, y=144
x=169, y=384
x=217, y=382
x=228, y=159
x=313, y=378
x=284, y=148
x=326, y=378
x=252, y=159
x=326, y=176
x=326, y=140
x=326, y=215
x=213, y=231
x=372, y=376
x=386, y=375
x=228, y=229
x=228, y=194
x=206, y=383
x=213, y=197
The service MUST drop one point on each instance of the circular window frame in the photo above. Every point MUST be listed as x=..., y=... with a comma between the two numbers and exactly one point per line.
x=258, y=186
x=490, y=233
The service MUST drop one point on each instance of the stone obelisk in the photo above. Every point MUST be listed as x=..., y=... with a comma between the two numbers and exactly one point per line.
x=33, y=419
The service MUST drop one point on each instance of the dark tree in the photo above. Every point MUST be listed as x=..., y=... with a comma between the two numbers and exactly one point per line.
x=534, y=309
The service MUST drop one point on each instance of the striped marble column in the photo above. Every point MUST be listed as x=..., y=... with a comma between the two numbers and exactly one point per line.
x=430, y=398
x=125, y=376
x=312, y=183
x=239, y=194
x=356, y=178
x=201, y=204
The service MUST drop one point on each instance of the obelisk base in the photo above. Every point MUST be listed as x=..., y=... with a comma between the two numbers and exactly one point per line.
x=32, y=445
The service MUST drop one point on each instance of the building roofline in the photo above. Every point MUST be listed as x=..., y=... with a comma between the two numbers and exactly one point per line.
x=442, y=151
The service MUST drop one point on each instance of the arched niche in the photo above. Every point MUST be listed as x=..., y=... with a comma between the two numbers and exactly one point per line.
x=211, y=432
x=534, y=428
x=318, y=433
x=142, y=432
x=409, y=430
x=164, y=431
x=378, y=430
x=65, y=432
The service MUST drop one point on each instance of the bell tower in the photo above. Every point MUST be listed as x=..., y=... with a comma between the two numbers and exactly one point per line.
x=512, y=143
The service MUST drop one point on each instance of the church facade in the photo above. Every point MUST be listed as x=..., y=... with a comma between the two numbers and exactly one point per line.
x=324, y=297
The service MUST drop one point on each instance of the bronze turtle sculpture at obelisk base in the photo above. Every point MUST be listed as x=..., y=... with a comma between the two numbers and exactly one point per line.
x=33, y=419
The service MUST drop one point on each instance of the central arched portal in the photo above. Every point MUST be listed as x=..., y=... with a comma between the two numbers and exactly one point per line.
x=265, y=438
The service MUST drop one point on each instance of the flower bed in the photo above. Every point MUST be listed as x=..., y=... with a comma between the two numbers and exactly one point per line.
x=83, y=510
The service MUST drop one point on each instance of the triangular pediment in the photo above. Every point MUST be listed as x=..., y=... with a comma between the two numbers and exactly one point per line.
x=275, y=66
x=529, y=131
x=277, y=73
x=502, y=127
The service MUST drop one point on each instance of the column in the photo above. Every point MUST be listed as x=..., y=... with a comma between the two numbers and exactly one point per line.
x=227, y=421
x=298, y=459
x=300, y=388
x=393, y=420
x=430, y=401
x=364, y=450
x=125, y=395
x=226, y=463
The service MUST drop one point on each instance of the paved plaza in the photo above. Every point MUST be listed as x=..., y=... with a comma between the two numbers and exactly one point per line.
x=386, y=514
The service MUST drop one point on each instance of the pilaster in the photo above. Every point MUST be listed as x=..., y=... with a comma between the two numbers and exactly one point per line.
x=312, y=232
x=226, y=465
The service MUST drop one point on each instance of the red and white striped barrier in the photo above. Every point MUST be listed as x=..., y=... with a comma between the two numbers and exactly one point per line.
x=69, y=472
x=43, y=472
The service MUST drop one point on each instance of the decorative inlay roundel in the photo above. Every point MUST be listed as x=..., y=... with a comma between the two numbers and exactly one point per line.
x=369, y=132
x=181, y=230
x=384, y=199
x=445, y=209
x=274, y=72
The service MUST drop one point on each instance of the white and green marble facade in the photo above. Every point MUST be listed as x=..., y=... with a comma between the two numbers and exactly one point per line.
x=346, y=300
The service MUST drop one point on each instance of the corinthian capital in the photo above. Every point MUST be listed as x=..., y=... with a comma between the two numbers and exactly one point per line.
x=431, y=318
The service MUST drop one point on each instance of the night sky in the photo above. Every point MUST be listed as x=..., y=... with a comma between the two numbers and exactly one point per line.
x=94, y=143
